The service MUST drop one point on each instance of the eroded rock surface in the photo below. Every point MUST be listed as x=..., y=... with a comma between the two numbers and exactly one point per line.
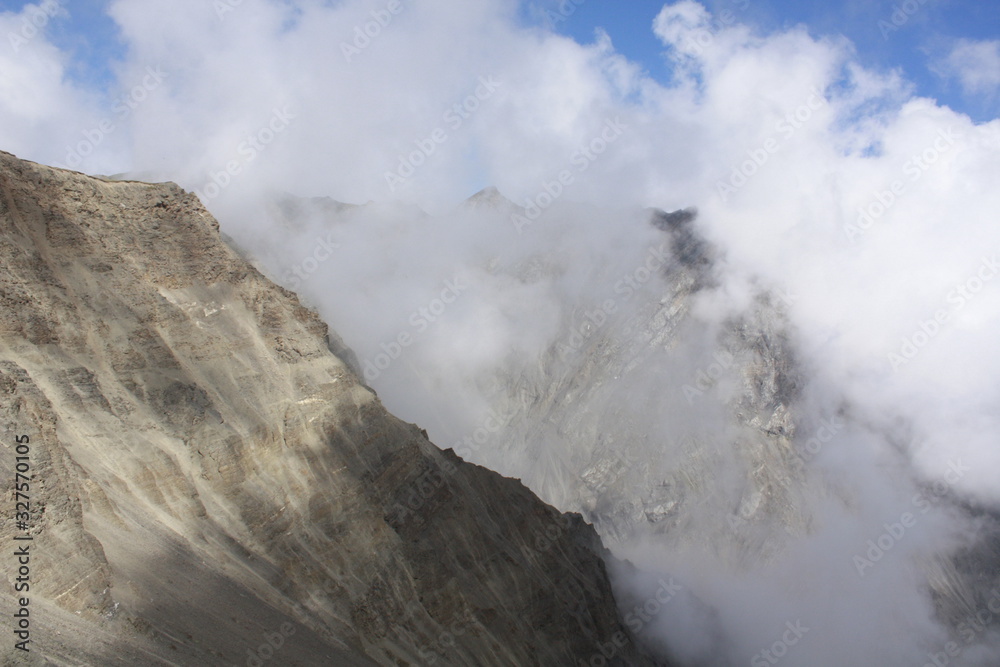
x=208, y=476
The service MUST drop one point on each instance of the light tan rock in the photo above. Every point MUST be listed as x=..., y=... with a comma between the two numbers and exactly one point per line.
x=209, y=477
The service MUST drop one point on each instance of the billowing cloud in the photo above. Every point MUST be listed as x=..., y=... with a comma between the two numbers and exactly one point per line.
x=975, y=64
x=44, y=116
x=873, y=209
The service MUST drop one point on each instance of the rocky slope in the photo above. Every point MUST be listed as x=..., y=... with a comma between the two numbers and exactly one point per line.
x=212, y=485
x=690, y=459
x=683, y=438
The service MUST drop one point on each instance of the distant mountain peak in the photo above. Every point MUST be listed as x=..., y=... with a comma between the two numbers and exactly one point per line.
x=489, y=198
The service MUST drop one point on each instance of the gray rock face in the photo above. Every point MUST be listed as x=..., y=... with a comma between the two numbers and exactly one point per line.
x=683, y=437
x=652, y=422
x=667, y=431
x=212, y=486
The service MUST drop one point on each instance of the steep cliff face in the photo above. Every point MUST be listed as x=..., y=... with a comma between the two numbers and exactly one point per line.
x=661, y=394
x=211, y=484
x=679, y=429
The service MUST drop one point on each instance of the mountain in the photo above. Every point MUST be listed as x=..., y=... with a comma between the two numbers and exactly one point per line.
x=207, y=482
x=611, y=361
x=489, y=198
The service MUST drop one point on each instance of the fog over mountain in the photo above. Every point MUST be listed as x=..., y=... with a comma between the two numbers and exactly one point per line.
x=744, y=321
x=204, y=481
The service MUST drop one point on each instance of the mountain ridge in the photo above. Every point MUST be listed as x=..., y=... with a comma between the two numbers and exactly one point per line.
x=209, y=473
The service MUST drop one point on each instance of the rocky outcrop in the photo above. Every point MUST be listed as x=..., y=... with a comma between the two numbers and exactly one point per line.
x=212, y=485
x=636, y=416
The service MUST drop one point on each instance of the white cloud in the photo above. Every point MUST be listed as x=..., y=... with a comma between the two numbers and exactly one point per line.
x=974, y=64
x=43, y=115
x=872, y=206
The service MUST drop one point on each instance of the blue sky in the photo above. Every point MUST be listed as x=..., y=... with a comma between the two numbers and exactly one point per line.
x=868, y=211
x=929, y=32
x=926, y=36
x=90, y=35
